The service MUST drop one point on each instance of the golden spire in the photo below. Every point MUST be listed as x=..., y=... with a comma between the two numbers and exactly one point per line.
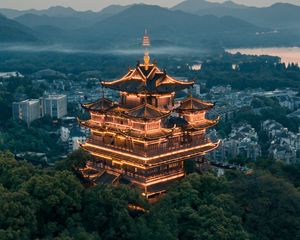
x=146, y=44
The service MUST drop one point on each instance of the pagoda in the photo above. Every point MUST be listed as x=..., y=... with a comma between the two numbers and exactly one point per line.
x=145, y=137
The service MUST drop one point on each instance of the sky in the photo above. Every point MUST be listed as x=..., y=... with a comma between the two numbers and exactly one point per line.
x=97, y=5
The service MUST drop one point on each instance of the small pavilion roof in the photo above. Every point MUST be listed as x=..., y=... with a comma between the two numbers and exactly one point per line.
x=193, y=104
x=101, y=105
x=206, y=124
x=148, y=79
x=147, y=111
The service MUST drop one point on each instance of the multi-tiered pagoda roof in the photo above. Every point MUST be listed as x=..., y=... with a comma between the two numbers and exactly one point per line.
x=147, y=79
x=146, y=136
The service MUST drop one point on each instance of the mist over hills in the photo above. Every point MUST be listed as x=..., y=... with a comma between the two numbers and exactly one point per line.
x=191, y=23
x=176, y=26
x=279, y=15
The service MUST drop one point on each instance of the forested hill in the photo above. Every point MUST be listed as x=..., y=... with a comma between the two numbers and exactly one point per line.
x=12, y=32
x=51, y=203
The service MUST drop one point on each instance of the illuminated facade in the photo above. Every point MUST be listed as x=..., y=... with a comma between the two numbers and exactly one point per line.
x=145, y=138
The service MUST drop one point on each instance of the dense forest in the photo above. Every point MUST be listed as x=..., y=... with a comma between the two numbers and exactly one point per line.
x=51, y=203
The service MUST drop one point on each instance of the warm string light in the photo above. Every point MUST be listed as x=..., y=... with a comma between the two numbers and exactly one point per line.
x=154, y=157
x=130, y=137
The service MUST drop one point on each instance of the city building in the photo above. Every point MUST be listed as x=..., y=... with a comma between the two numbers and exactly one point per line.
x=241, y=142
x=55, y=105
x=284, y=144
x=144, y=139
x=72, y=136
x=27, y=110
x=8, y=75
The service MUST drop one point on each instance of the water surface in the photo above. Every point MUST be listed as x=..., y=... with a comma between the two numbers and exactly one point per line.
x=287, y=55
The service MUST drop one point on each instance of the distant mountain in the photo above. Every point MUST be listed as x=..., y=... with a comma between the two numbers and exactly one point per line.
x=214, y=25
x=279, y=15
x=12, y=32
x=57, y=11
x=113, y=9
x=193, y=6
x=67, y=23
x=65, y=12
x=175, y=26
x=63, y=18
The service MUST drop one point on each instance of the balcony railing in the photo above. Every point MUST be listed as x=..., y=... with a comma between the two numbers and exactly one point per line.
x=145, y=151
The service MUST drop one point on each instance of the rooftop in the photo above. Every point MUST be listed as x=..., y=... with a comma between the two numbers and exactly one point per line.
x=147, y=79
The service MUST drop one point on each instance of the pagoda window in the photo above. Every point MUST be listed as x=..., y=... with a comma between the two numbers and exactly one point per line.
x=164, y=102
x=138, y=126
x=97, y=138
x=97, y=118
x=164, y=167
x=153, y=147
x=174, y=142
x=139, y=146
x=163, y=145
x=109, y=119
x=121, y=142
x=173, y=165
x=121, y=121
x=153, y=125
x=108, y=139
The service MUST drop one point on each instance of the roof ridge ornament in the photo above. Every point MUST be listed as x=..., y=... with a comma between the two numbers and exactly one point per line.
x=146, y=44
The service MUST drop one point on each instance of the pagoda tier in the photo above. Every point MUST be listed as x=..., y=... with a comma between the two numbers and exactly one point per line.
x=192, y=104
x=143, y=139
x=148, y=80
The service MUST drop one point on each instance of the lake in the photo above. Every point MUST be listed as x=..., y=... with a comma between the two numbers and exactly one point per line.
x=287, y=55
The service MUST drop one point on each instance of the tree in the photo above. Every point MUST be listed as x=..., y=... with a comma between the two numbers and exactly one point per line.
x=57, y=201
x=270, y=206
x=202, y=209
x=75, y=160
x=17, y=218
x=105, y=210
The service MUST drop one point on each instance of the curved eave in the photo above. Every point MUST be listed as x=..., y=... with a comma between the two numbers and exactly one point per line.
x=103, y=111
x=83, y=123
x=89, y=106
x=209, y=124
x=130, y=133
x=213, y=147
x=188, y=110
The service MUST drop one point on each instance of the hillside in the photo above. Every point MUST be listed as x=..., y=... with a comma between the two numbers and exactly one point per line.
x=193, y=6
x=176, y=26
x=215, y=25
x=12, y=31
x=279, y=15
x=67, y=23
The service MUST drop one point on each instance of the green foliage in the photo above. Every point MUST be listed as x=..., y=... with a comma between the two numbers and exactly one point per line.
x=18, y=137
x=52, y=204
x=75, y=160
x=203, y=209
x=270, y=206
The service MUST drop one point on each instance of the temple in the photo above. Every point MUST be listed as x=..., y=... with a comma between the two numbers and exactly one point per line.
x=145, y=137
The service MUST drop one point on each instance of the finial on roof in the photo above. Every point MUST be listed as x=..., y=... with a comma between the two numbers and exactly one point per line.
x=146, y=44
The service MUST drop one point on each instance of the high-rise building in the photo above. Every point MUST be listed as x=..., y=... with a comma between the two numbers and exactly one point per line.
x=144, y=139
x=55, y=105
x=28, y=110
